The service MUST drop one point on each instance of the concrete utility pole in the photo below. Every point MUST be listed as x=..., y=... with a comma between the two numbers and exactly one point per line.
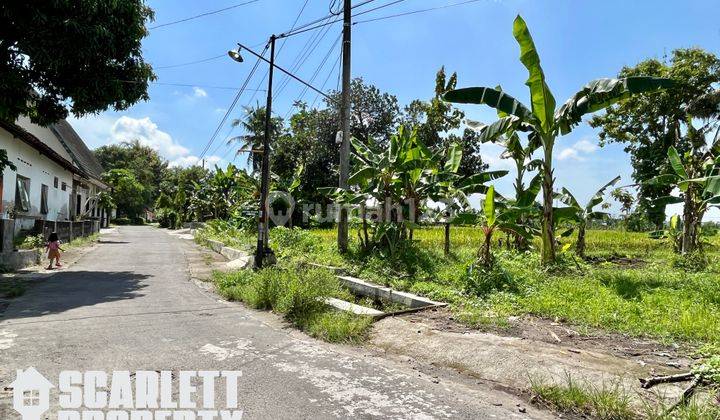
x=263, y=227
x=345, y=119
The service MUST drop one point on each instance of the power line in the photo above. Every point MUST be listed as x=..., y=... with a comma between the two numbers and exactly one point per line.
x=416, y=11
x=191, y=85
x=212, y=12
x=322, y=64
x=332, y=70
x=257, y=89
x=302, y=58
x=306, y=26
x=204, y=60
x=232, y=105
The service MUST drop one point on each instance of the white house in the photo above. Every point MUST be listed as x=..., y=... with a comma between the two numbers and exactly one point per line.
x=57, y=178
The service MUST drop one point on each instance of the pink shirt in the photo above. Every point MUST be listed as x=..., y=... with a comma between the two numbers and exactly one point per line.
x=54, y=245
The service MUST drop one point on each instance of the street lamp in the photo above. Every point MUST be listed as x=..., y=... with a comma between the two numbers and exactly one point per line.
x=263, y=228
x=262, y=247
x=235, y=55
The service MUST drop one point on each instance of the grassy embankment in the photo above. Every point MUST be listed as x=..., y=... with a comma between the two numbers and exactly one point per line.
x=638, y=289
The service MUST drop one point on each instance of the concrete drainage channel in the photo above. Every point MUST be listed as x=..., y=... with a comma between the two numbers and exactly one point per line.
x=358, y=287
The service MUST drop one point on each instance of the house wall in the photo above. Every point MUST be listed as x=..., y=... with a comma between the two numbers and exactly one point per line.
x=40, y=170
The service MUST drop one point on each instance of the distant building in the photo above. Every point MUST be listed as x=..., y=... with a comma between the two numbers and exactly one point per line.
x=57, y=179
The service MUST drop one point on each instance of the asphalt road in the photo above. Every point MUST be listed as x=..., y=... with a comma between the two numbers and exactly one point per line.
x=130, y=304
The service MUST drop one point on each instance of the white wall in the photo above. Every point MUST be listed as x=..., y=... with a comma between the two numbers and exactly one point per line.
x=40, y=170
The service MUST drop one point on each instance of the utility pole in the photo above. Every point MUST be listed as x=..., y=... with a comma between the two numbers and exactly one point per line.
x=263, y=227
x=345, y=120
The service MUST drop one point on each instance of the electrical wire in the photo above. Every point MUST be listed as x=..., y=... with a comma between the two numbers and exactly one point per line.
x=232, y=105
x=302, y=58
x=204, y=60
x=332, y=70
x=416, y=11
x=305, y=27
x=212, y=12
x=257, y=89
x=320, y=66
x=190, y=85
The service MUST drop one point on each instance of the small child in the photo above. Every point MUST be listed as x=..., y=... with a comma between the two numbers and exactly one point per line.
x=53, y=250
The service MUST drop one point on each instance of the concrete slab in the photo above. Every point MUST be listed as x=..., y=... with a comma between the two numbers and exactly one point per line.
x=365, y=288
x=346, y=306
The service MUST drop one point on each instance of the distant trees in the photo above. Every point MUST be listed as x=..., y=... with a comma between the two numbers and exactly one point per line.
x=128, y=194
x=649, y=125
x=84, y=56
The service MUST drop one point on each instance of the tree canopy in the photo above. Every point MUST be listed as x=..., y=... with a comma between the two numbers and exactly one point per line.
x=85, y=55
x=649, y=125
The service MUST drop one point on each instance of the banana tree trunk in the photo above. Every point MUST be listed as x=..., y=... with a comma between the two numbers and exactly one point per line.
x=447, y=238
x=580, y=245
x=485, y=254
x=548, y=228
x=690, y=222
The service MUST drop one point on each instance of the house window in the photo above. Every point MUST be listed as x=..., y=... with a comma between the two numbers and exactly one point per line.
x=64, y=187
x=44, y=199
x=55, y=182
x=31, y=398
x=22, y=194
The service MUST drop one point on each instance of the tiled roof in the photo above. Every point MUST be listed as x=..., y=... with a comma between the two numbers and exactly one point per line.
x=82, y=156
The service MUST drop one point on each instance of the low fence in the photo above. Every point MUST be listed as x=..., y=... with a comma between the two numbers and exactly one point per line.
x=67, y=231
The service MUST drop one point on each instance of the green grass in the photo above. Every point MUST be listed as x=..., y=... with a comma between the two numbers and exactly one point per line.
x=82, y=241
x=611, y=402
x=605, y=403
x=649, y=295
x=298, y=295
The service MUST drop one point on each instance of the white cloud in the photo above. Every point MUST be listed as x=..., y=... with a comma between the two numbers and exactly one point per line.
x=586, y=146
x=191, y=160
x=199, y=92
x=570, y=153
x=577, y=150
x=102, y=130
x=143, y=129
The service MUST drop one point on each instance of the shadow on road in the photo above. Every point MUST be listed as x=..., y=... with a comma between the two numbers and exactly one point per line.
x=74, y=289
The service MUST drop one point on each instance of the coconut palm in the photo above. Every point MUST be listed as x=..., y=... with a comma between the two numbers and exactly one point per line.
x=253, y=123
x=542, y=122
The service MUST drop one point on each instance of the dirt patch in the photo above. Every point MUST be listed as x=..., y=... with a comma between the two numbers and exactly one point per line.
x=530, y=348
x=620, y=261
x=571, y=337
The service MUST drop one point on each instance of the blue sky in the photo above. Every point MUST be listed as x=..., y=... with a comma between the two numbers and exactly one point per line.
x=578, y=41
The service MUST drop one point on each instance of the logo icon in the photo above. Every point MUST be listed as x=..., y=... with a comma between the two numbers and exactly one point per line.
x=31, y=393
x=281, y=206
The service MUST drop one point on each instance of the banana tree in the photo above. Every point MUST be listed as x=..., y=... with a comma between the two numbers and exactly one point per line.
x=542, y=121
x=392, y=177
x=496, y=217
x=698, y=180
x=585, y=214
x=673, y=232
x=451, y=189
x=522, y=157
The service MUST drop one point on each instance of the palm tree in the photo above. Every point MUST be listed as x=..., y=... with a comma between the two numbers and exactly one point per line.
x=542, y=122
x=253, y=123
